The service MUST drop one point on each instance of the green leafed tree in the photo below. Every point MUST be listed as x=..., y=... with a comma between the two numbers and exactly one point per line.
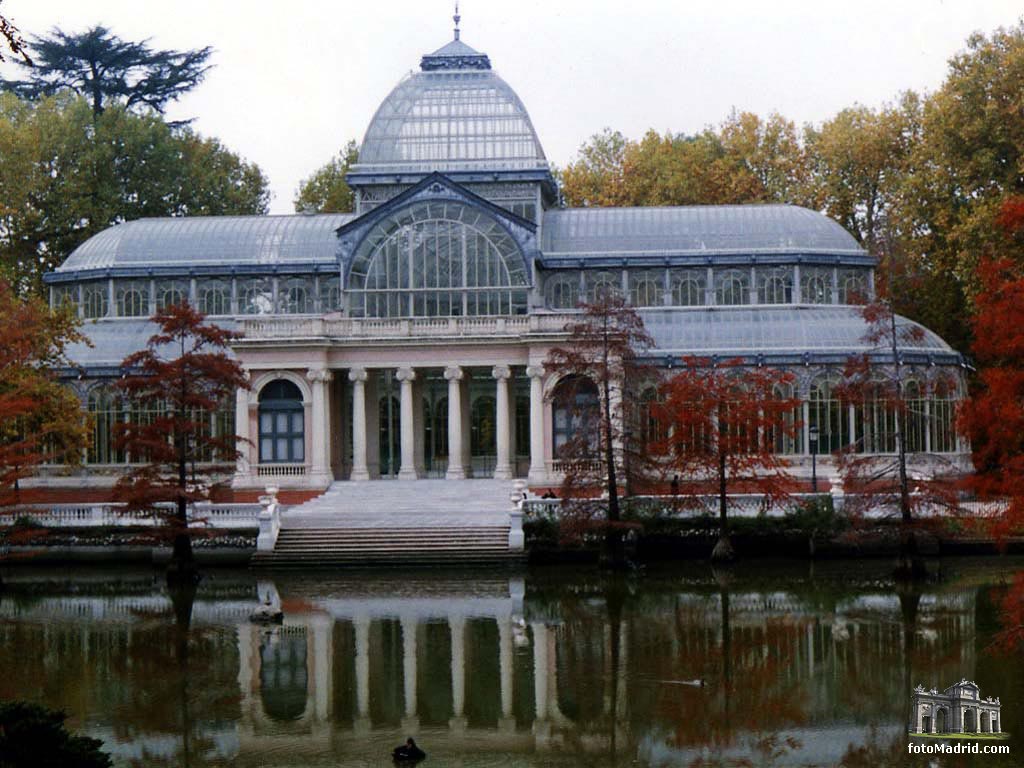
x=103, y=68
x=326, y=191
x=65, y=176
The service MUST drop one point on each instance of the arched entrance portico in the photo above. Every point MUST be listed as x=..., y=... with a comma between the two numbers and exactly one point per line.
x=941, y=721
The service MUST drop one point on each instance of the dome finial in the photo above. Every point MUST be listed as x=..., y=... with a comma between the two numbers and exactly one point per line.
x=456, y=18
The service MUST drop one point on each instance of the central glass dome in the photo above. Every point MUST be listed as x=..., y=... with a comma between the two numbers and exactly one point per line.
x=454, y=115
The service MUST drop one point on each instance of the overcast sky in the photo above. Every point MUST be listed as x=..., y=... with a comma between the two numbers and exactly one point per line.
x=295, y=80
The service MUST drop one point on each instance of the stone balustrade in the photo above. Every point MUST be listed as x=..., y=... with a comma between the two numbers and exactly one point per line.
x=222, y=516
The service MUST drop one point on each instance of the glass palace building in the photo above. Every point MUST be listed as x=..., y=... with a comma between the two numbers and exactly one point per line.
x=408, y=339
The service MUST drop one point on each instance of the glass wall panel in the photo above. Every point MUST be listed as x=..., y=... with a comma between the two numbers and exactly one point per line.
x=647, y=288
x=95, y=300
x=774, y=285
x=853, y=286
x=132, y=298
x=829, y=415
x=213, y=297
x=816, y=285
x=732, y=287
x=602, y=284
x=255, y=296
x=330, y=293
x=562, y=290
x=169, y=292
x=66, y=294
x=297, y=296
x=106, y=411
x=689, y=287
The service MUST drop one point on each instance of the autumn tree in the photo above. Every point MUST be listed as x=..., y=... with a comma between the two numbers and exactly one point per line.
x=101, y=67
x=722, y=422
x=326, y=190
x=41, y=420
x=184, y=374
x=65, y=178
x=599, y=374
x=993, y=417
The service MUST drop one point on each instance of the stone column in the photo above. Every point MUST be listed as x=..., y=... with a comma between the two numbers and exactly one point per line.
x=505, y=660
x=408, y=470
x=410, y=723
x=540, y=670
x=320, y=429
x=457, y=624
x=456, y=467
x=243, y=467
x=360, y=470
x=503, y=423
x=323, y=675
x=538, y=467
x=362, y=627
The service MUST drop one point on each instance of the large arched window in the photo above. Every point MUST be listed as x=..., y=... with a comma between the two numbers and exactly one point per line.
x=652, y=429
x=576, y=416
x=282, y=432
x=170, y=292
x=602, y=285
x=132, y=298
x=435, y=259
x=876, y=418
x=916, y=426
x=829, y=415
x=787, y=441
x=942, y=408
x=816, y=285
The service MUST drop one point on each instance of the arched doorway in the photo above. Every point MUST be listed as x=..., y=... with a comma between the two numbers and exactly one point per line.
x=941, y=725
x=282, y=431
x=390, y=416
x=575, y=418
x=970, y=722
x=926, y=724
x=482, y=438
x=984, y=722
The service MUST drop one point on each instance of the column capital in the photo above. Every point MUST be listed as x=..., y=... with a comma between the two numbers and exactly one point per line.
x=535, y=371
x=357, y=374
x=454, y=372
x=405, y=374
x=501, y=372
x=319, y=374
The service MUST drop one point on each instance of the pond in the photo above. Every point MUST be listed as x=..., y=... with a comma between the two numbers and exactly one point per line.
x=764, y=664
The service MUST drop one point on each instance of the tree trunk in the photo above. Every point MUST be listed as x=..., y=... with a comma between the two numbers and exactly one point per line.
x=614, y=555
x=723, y=551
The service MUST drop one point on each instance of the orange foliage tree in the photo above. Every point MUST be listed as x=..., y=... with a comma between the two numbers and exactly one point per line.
x=41, y=420
x=183, y=375
x=722, y=422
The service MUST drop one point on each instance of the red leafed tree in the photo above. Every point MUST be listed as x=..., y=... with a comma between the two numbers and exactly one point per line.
x=182, y=376
x=41, y=421
x=890, y=397
x=599, y=376
x=993, y=418
x=724, y=420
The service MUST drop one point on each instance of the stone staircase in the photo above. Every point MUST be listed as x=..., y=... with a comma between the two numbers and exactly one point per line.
x=397, y=523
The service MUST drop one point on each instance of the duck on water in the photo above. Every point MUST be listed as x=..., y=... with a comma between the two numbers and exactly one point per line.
x=408, y=752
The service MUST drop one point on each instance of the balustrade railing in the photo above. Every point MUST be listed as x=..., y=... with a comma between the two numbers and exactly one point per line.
x=275, y=327
x=226, y=516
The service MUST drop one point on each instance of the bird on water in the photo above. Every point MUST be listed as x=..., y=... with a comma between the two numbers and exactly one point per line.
x=408, y=752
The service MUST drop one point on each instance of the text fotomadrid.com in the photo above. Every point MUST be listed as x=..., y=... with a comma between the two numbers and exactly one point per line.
x=958, y=749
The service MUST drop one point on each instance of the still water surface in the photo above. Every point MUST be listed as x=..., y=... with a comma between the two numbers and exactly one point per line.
x=763, y=665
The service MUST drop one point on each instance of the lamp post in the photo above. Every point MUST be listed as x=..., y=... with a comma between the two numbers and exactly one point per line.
x=812, y=435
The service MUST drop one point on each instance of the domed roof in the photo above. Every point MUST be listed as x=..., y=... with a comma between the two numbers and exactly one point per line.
x=456, y=114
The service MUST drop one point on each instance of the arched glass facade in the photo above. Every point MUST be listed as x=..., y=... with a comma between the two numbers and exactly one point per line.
x=437, y=259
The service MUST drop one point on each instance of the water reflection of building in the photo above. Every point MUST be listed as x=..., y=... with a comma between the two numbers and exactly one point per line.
x=483, y=667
